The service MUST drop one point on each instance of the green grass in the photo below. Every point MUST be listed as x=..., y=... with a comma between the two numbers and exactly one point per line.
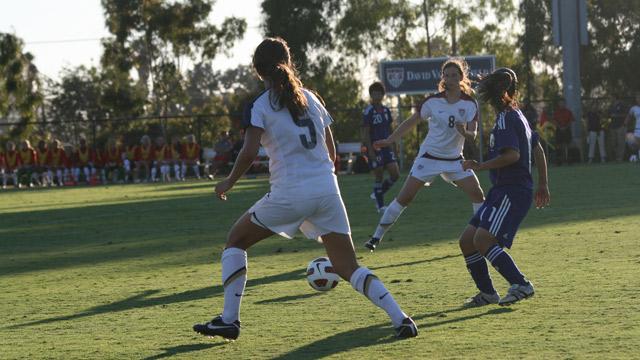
x=123, y=272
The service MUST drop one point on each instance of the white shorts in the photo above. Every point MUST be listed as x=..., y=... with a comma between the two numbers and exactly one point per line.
x=314, y=217
x=426, y=170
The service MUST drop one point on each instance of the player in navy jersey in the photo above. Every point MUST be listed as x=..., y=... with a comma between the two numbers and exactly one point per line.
x=376, y=126
x=293, y=126
x=513, y=147
x=453, y=118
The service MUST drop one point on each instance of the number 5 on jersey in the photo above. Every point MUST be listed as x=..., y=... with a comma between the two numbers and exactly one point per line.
x=306, y=122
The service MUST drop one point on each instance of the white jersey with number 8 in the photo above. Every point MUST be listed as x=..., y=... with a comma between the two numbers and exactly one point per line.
x=443, y=140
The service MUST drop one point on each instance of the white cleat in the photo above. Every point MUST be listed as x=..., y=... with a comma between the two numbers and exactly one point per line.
x=516, y=293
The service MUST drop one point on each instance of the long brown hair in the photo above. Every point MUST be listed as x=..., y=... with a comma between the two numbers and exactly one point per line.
x=463, y=69
x=500, y=89
x=272, y=61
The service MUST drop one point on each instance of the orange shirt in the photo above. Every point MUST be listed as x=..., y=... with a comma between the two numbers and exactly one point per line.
x=191, y=151
x=145, y=153
x=84, y=156
x=112, y=155
x=57, y=158
x=28, y=157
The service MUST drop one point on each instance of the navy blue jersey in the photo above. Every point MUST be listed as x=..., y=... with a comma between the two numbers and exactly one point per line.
x=378, y=119
x=512, y=132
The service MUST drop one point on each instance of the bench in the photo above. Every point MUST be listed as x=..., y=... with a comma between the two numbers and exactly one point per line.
x=348, y=153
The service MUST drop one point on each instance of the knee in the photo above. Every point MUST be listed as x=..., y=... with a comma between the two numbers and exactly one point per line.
x=481, y=244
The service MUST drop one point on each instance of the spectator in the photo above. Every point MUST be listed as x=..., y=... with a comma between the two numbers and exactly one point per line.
x=596, y=134
x=191, y=156
x=633, y=121
x=617, y=113
x=223, y=149
x=28, y=162
x=11, y=164
x=562, y=118
x=57, y=160
x=145, y=155
x=85, y=159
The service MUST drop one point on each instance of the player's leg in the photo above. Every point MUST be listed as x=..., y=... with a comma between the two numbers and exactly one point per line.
x=342, y=255
x=242, y=235
x=408, y=192
x=394, y=173
x=378, y=195
x=471, y=186
x=478, y=269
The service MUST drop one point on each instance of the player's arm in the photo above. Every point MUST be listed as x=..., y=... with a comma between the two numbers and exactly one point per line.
x=400, y=131
x=244, y=160
x=468, y=130
x=542, y=196
x=507, y=157
x=331, y=146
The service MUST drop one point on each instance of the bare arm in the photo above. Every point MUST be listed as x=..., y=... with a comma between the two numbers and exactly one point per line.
x=400, y=131
x=506, y=158
x=469, y=130
x=366, y=140
x=542, y=195
x=244, y=160
x=331, y=146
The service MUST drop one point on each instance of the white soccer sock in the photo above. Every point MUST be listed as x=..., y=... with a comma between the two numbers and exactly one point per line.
x=389, y=217
x=196, y=169
x=87, y=178
x=154, y=172
x=366, y=283
x=234, y=279
x=476, y=206
x=59, y=176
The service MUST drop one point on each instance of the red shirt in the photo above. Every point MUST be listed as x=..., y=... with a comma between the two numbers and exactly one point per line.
x=112, y=155
x=84, y=156
x=28, y=157
x=56, y=158
x=562, y=117
x=12, y=160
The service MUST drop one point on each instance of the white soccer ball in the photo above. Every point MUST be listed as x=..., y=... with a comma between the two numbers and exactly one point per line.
x=320, y=274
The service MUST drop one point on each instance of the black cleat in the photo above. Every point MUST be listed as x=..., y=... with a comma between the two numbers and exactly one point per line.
x=407, y=329
x=372, y=243
x=217, y=327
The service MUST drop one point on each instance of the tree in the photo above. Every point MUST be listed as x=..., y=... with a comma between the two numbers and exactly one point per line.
x=20, y=90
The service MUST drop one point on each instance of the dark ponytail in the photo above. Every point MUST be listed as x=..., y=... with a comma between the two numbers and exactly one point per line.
x=500, y=89
x=272, y=61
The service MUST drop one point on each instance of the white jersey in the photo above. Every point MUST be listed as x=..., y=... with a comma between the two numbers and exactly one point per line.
x=443, y=141
x=299, y=163
x=635, y=112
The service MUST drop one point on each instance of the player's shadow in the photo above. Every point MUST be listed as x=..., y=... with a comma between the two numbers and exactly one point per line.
x=144, y=299
x=285, y=299
x=181, y=349
x=374, y=335
x=415, y=262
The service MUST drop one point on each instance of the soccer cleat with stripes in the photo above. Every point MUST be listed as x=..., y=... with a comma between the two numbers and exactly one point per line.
x=481, y=299
x=372, y=243
x=516, y=293
x=217, y=327
x=407, y=329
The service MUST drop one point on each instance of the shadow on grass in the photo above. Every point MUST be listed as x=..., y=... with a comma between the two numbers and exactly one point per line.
x=378, y=334
x=181, y=349
x=144, y=299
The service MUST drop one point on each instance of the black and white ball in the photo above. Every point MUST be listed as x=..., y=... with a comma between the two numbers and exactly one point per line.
x=320, y=274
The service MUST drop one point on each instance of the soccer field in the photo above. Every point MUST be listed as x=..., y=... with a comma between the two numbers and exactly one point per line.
x=123, y=272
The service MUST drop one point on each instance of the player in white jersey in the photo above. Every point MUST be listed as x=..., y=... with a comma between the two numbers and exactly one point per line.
x=452, y=116
x=293, y=127
x=633, y=138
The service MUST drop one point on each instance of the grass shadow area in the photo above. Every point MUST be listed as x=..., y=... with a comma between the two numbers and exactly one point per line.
x=181, y=349
x=374, y=335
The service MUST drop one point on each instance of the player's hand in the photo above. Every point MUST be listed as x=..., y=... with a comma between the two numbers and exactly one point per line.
x=470, y=164
x=378, y=144
x=461, y=128
x=542, y=196
x=222, y=187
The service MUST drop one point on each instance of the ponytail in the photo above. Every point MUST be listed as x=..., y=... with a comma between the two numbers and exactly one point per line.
x=499, y=89
x=288, y=90
x=272, y=60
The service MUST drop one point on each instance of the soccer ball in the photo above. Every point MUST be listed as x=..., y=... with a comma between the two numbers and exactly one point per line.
x=320, y=274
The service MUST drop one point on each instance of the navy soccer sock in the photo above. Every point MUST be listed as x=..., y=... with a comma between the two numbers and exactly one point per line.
x=379, y=194
x=505, y=265
x=479, y=271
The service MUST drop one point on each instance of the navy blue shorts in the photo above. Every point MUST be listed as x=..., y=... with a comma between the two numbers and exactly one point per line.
x=384, y=156
x=503, y=211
